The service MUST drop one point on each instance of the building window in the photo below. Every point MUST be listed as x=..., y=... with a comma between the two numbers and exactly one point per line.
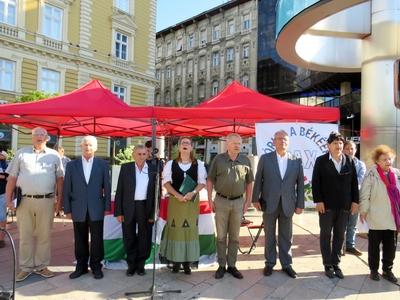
x=120, y=92
x=169, y=49
x=189, y=92
x=202, y=91
x=158, y=74
x=203, y=37
x=50, y=81
x=190, y=66
x=230, y=27
x=8, y=12
x=179, y=45
x=157, y=99
x=168, y=73
x=178, y=69
x=121, y=46
x=122, y=5
x=7, y=75
x=214, y=89
x=229, y=54
x=159, y=51
x=178, y=95
x=216, y=33
x=246, y=51
x=52, y=22
x=167, y=97
x=245, y=80
x=246, y=22
x=229, y=81
x=191, y=41
x=215, y=59
x=202, y=62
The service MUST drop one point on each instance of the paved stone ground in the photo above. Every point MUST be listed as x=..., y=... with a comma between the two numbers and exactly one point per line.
x=311, y=283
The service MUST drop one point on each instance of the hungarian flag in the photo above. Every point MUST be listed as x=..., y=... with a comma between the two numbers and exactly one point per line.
x=113, y=245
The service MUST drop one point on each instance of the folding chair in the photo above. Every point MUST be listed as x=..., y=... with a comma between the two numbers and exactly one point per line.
x=254, y=238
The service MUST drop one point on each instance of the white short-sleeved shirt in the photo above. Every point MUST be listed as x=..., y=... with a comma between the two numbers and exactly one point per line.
x=201, y=175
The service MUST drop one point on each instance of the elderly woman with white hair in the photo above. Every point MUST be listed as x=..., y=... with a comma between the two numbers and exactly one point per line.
x=87, y=196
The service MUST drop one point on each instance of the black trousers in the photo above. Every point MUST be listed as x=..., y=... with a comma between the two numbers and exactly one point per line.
x=81, y=234
x=388, y=238
x=332, y=228
x=136, y=237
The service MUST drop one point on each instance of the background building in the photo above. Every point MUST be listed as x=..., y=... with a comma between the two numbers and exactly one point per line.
x=197, y=58
x=58, y=45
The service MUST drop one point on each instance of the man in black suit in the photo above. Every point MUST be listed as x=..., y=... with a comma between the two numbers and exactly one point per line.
x=335, y=192
x=134, y=208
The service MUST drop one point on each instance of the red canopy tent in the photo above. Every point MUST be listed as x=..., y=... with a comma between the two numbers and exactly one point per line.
x=237, y=109
x=93, y=109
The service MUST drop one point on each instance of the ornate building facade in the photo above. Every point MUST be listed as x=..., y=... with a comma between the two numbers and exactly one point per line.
x=57, y=46
x=197, y=58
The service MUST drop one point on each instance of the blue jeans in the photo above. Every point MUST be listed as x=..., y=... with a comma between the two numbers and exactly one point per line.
x=3, y=208
x=351, y=231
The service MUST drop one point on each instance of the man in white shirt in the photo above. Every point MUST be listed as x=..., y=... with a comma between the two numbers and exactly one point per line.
x=279, y=192
x=134, y=208
x=87, y=196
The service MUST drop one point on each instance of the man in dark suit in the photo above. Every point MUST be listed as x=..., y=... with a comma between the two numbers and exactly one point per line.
x=87, y=196
x=134, y=208
x=279, y=192
x=335, y=192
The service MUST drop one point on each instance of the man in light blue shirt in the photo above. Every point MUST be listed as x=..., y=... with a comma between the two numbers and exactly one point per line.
x=350, y=149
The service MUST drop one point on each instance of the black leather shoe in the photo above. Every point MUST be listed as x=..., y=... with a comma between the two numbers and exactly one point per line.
x=329, y=272
x=388, y=275
x=186, y=269
x=374, y=275
x=338, y=272
x=289, y=270
x=234, y=272
x=141, y=272
x=130, y=272
x=268, y=270
x=176, y=267
x=77, y=273
x=98, y=274
x=220, y=272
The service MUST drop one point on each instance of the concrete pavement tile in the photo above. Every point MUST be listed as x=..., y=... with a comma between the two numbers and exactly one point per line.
x=302, y=293
x=226, y=288
x=196, y=277
x=257, y=291
x=343, y=293
x=34, y=289
x=194, y=292
x=379, y=295
x=383, y=285
x=353, y=282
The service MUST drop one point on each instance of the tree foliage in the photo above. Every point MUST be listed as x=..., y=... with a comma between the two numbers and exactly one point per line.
x=34, y=96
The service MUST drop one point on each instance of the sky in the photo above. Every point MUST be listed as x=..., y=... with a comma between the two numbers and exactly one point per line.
x=171, y=12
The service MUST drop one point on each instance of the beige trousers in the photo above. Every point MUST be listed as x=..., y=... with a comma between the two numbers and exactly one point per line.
x=228, y=216
x=35, y=221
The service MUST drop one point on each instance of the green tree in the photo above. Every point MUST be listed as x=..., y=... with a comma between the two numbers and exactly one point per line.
x=124, y=156
x=34, y=96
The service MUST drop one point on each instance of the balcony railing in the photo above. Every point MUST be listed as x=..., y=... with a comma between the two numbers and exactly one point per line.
x=8, y=30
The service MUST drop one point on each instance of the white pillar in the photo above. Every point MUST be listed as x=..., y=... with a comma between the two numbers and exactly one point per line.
x=160, y=145
x=380, y=50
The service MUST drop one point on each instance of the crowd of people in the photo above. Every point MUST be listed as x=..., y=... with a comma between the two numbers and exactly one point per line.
x=44, y=181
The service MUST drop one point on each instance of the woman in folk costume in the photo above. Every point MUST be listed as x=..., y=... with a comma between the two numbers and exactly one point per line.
x=380, y=207
x=183, y=178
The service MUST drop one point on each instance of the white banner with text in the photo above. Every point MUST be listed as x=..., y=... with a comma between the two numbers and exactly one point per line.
x=306, y=140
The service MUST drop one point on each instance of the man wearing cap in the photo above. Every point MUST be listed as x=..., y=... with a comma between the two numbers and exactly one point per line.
x=38, y=172
x=335, y=192
x=3, y=206
x=231, y=175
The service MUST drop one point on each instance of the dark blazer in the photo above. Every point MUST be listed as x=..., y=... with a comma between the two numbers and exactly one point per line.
x=124, y=197
x=269, y=187
x=80, y=197
x=335, y=190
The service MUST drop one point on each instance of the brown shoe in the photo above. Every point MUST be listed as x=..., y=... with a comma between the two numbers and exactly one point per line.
x=21, y=276
x=354, y=251
x=46, y=273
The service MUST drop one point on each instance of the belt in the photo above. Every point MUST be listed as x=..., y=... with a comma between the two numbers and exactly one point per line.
x=229, y=198
x=50, y=195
